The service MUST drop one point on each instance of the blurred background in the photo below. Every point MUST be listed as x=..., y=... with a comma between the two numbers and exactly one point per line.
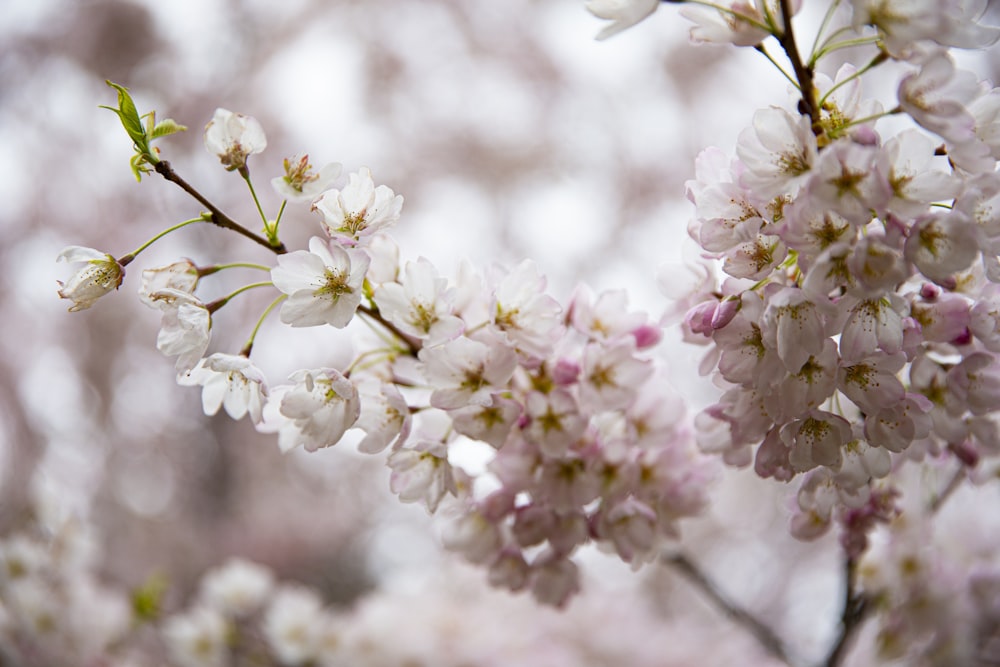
x=511, y=133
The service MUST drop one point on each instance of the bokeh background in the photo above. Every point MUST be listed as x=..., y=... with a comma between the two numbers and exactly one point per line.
x=511, y=133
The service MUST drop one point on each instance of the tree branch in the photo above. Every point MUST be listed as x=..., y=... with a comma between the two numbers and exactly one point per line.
x=219, y=218
x=802, y=73
x=856, y=608
x=413, y=346
x=764, y=635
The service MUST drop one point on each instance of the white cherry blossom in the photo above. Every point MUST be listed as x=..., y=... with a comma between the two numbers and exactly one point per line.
x=237, y=588
x=421, y=473
x=197, y=638
x=729, y=27
x=779, y=151
x=234, y=137
x=181, y=275
x=293, y=625
x=622, y=13
x=385, y=418
x=937, y=97
x=942, y=244
x=97, y=273
x=907, y=161
x=185, y=327
x=316, y=411
x=901, y=23
x=229, y=381
x=488, y=423
x=301, y=182
x=521, y=310
x=420, y=304
x=352, y=215
x=467, y=372
x=323, y=284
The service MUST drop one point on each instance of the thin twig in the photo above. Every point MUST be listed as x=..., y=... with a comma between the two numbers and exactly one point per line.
x=856, y=607
x=219, y=218
x=767, y=638
x=412, y=345
x=953, y=484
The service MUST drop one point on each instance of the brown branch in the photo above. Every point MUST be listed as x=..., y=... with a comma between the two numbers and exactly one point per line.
x=217, y=217
x=374, y=314
x=856, y=608
x=803, y=74
x=764, y=635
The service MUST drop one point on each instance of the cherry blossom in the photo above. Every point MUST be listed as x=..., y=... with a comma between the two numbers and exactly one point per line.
x=229, y=381
x=622, y=13
x=420, y=306
x=467, y=372
x=385, y=418
x=316, y=411
x=301, y=182
x=778, y=151
x=421, y=472
x=291, y=625
x=323, y=284
x=238, y=587
x=185, y=328
x=197, y=638
x=234, y=137
x=352, y=215
x=739, y=22
x=98, y=273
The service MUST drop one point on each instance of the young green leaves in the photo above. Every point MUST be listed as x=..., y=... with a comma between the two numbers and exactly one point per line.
x=142, y=130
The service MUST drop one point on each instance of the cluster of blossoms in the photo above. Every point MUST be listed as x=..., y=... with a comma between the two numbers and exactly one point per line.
x=936, y=588
x=585, y=443
x=857, y=324
x=55, y=611
x=855, y=329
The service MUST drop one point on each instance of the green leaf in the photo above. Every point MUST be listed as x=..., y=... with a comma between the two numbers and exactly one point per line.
x=140, y=165
x=129, y=117
x=166, y=127
x=147, y=599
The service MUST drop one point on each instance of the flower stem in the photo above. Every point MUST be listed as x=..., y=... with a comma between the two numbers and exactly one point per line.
x=760, y=48
x=245, y=173
x=217, y=217
x=215, y=268
x=126, y=259
x=248, y=347
x=877, y=60
x=219, y=303
x=767, y=638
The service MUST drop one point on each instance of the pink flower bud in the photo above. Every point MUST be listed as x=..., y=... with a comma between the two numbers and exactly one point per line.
x=565, y=372
x=646, y=336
